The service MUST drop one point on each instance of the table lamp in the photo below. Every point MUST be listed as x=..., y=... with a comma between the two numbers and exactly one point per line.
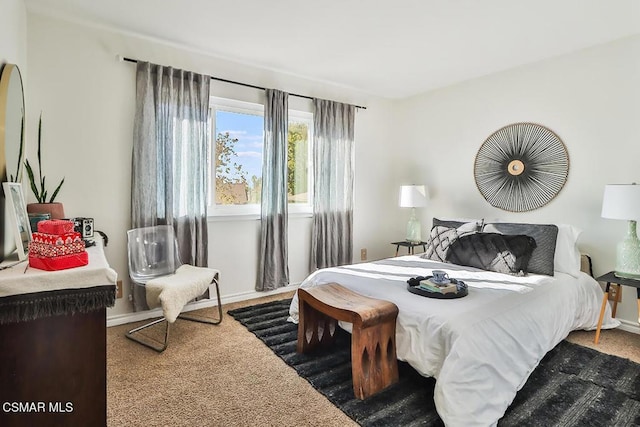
x=622, y=201
x=413, y=196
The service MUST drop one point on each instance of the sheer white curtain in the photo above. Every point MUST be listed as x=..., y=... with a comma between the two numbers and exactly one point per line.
x=273, y=269
x=169, y=165
x=333, y=173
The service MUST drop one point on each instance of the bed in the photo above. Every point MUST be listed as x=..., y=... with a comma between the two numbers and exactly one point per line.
x=480, y=348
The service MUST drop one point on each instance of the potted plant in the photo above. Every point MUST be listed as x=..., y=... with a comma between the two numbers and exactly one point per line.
x=39, y=188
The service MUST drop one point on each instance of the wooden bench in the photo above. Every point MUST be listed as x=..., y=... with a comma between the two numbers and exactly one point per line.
x=373, y=339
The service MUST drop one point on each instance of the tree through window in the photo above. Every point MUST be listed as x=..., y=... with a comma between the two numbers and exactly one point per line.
x=238, y=154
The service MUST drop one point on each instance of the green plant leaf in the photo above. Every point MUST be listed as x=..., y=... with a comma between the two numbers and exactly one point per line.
x=32, y=180
x=39, y=148
x=55, y=193
x=41, y=193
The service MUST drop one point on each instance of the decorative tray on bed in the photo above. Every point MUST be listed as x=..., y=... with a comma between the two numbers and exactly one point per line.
x=413, y=285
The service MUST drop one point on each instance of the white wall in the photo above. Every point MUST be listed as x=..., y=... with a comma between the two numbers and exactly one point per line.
x=13, y=34
x=87, y=100
x=590, y=99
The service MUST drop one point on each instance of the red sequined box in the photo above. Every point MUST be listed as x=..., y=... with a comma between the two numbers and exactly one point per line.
x=59, y=263
x=51, y=245
x=55, y=226
x=57, y=252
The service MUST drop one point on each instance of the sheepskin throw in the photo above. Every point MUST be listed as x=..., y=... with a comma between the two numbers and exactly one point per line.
x=175, y=291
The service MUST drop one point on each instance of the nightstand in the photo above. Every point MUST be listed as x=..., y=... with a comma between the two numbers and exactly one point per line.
x=614, y=280
x=409, y=246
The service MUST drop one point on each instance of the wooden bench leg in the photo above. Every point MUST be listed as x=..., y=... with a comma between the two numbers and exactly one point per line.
x=374, y=365
x=315, y=329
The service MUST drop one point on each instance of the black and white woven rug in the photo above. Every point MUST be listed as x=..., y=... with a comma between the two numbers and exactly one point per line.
x=572, y=386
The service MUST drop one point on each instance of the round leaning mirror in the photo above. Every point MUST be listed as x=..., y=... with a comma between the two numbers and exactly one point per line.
x=11, y=145
x=11, y=123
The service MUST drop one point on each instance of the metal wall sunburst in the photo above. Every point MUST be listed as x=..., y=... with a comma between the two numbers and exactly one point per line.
x=521, y=167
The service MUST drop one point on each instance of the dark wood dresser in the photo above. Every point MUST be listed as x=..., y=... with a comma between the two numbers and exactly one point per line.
x=53, y=344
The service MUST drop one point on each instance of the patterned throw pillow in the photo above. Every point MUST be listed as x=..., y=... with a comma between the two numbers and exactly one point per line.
x=442, y=237
x=502, y=253
x=545, y=235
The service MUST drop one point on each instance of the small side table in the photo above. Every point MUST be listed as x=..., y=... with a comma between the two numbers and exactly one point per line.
x=612, y=279
x=409, y=246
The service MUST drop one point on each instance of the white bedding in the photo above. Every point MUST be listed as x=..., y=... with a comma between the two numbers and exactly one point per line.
x=480, y=348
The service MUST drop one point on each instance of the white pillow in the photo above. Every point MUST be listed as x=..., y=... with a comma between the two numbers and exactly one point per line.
x=567, y=257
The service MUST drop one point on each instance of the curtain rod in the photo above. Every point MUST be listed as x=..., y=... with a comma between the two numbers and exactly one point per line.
x=122, y=58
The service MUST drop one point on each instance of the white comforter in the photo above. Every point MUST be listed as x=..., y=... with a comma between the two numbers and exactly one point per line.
x=480, y=348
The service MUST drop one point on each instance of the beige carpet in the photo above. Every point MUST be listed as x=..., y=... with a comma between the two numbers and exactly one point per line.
x=615, y=341
x=224, y=376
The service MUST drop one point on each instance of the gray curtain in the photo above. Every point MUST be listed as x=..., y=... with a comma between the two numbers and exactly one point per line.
x=273, y=269
x=333, y=174
x=169, y=165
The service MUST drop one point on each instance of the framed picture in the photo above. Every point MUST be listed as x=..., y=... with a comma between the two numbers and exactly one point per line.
x=18, y=212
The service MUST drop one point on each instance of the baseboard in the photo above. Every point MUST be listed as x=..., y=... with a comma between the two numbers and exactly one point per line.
x=121, y=319
x=629, y=326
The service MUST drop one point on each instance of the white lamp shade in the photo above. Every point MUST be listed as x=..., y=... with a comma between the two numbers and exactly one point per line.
x=621, y=201
x=413, y=196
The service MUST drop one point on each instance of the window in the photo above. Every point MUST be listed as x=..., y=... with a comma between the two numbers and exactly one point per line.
x=299, y=159
x=237, y=151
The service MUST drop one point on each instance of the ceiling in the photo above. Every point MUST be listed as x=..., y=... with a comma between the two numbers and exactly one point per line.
x=392, y=49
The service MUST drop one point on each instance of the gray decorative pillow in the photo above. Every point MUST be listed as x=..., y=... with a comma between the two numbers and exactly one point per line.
x=441, y=238
x=545, y=235
x=455, y=223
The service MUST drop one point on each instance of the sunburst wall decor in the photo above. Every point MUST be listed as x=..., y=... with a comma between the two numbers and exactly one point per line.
x=521, y=167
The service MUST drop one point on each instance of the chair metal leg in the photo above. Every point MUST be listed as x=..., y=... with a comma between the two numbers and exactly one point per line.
x=207, y=320
x=132, y=335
